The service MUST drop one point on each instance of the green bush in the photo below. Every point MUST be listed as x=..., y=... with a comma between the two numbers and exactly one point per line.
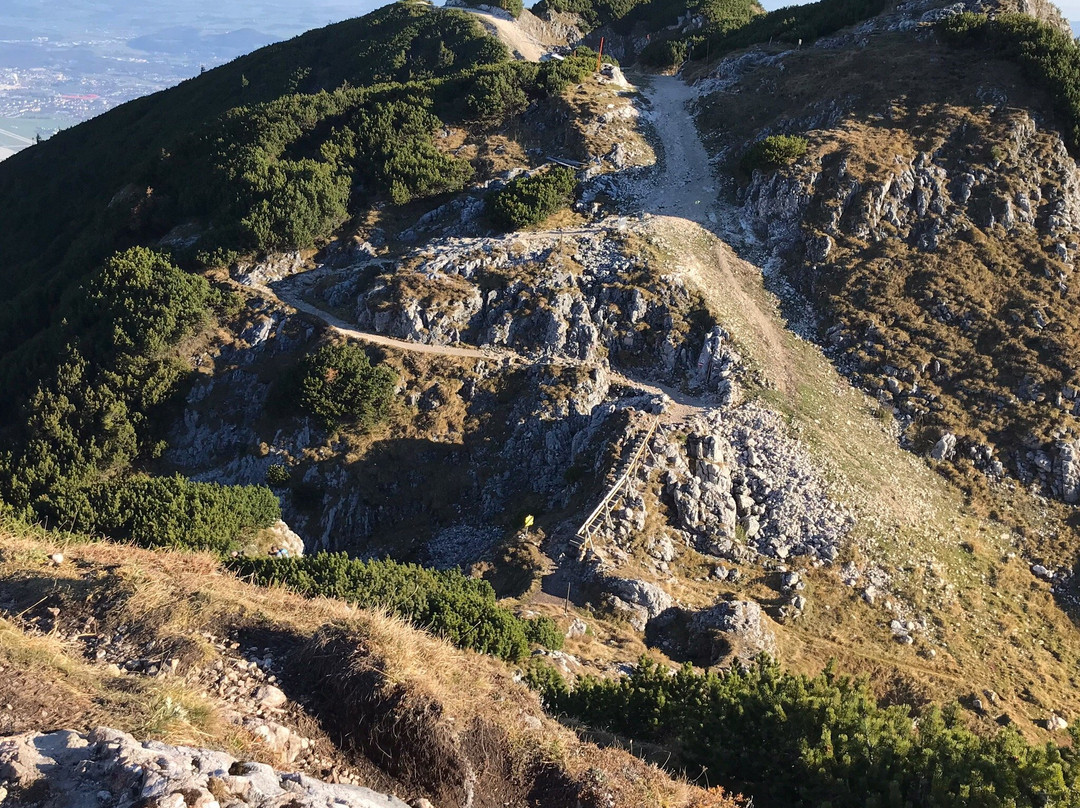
x=544, y=679
x=338, y=383
x=446, y=603
x=90, y=414
x=665, y=53
x=168, y=512
x=820, y=740
x=594, y=13
x=528, y=200
x=544, y=631
x=731, y=27
x=775, y=151
x=1049, y=58
x=278, y=475
x=515, y=7
x=503, y=92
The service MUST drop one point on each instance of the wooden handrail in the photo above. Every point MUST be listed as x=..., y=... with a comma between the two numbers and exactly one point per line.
x=586, y=531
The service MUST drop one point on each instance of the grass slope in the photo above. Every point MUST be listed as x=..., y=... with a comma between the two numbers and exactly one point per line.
x=433, y=714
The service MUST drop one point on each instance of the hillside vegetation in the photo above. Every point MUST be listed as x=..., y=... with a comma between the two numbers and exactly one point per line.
x=447, y=603
x=272, y=151
x=376, y=702
x=1050, y=58
x=821, y=740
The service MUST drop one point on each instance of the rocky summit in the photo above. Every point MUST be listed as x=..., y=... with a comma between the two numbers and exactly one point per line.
x=432, y=410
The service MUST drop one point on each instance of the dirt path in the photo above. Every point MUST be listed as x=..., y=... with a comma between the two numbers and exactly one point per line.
x=679, y=406
x=286, y=296
x=522, y=45
x=683, y=186
x=680, y=194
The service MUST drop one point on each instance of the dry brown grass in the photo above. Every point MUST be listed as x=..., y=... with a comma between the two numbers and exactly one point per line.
x=458, y=704
x=991, y=625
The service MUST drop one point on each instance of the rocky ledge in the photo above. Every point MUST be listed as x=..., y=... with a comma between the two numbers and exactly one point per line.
x=106, y=767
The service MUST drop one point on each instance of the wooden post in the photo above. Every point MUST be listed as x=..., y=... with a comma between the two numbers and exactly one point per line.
x=600, y=55
x=566, y=603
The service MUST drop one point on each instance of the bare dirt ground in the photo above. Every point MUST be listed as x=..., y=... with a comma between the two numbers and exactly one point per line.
x=523, y=45
x=683, y=185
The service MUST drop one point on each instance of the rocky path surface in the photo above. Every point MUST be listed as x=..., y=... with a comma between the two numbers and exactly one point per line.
x=678, y=404
x=683, y=186
x=679, y=193
x=288, y=295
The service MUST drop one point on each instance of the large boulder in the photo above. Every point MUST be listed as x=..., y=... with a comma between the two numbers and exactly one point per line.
x=736, y=628
x=281, y=535
x=1067, y=472
x=650, y=597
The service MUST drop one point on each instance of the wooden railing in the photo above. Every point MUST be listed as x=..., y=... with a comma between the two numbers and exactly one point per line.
x=600, y=514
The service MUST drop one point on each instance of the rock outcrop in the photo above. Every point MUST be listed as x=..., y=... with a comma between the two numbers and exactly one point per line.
x=737, y=628
x=871, y=200
x=67, y=769
x=548, y=294
x=740, y=469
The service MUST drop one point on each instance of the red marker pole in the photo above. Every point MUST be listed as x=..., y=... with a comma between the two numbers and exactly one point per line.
x=600, y=55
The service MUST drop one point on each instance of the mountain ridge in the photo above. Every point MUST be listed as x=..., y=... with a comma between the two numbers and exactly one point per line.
x=688, y=306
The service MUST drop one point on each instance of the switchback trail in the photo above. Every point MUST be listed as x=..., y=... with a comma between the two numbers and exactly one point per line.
x=346, y=329
x=676, y=197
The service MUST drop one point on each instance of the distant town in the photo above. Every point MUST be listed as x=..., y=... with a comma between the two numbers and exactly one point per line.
x=61, y=66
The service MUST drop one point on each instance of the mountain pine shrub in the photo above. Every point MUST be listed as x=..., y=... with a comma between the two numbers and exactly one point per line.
x=816, y=741
x=444, y=602
x=1050, y=58
x=775, y=151
x=528, y=200
x=339, y=384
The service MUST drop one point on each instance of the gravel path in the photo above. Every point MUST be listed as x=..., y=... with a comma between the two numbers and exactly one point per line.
x=683, y=186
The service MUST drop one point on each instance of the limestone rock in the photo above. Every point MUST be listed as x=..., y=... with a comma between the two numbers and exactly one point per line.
x=270, y=697
x=945, y=448
x=1067, y=472
x=1055, y=723
x=742, y=626
x=281, y=535
x=648, y=596
x=70, y=770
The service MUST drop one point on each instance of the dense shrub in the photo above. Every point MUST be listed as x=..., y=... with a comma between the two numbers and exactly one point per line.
x=90, y=414
x=278, y=475
x=722, y=16
x=544, y=631
x=514, y=7
x=293, y=203
x=775, y=151
x=665, y=53
x=339, y=383
x=527, y=200
x=1050, y=58
x=171, y=512
x=729, y=32
x=503, y=92
x=446, y=603
x=820, y=740
x=594, y=13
